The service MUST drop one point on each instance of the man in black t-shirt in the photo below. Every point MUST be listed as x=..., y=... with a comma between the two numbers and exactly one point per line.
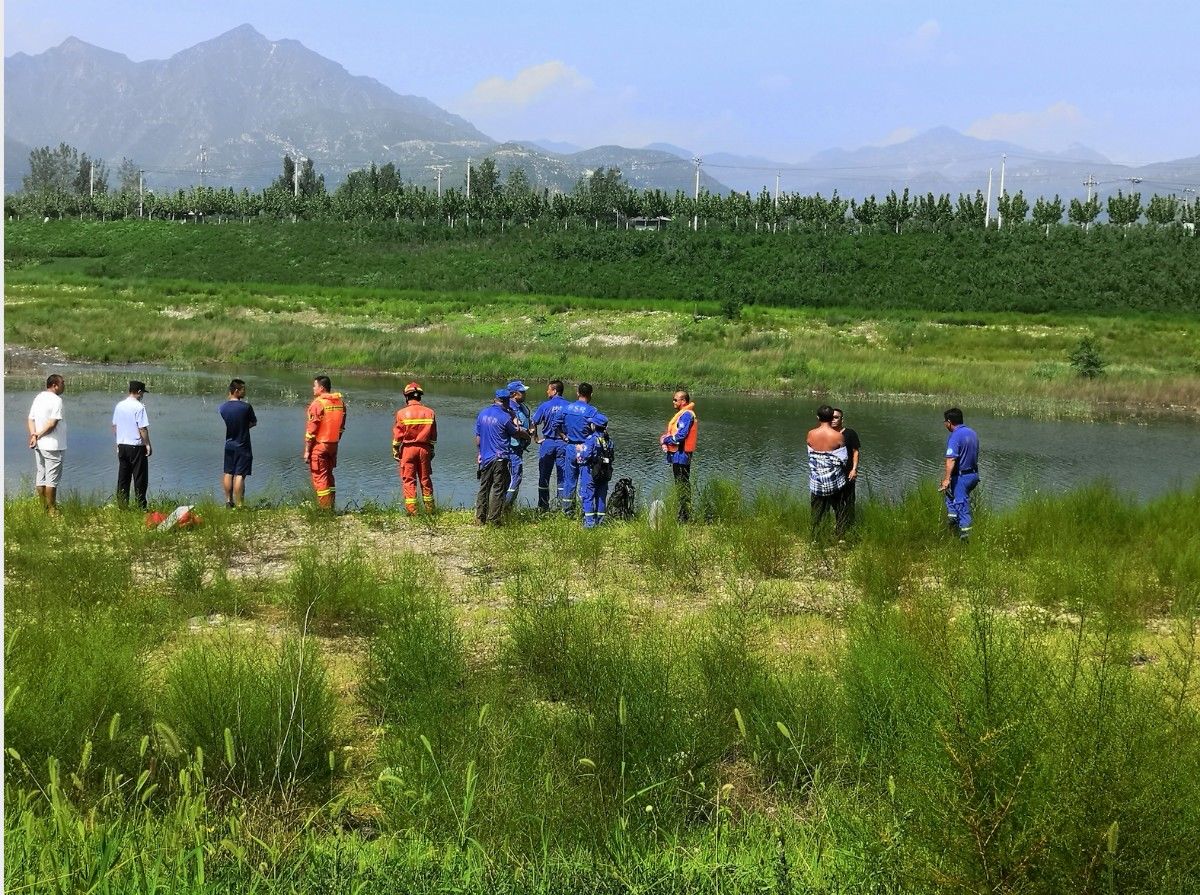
x=853, y=450
x=239, y=420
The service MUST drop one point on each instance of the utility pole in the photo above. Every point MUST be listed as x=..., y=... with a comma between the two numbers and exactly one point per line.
x=437, y=169
x=987, y=209
x=777, y=191
x=697, y=161
x=91, y=179
x=141, y=174
x=1000, y=198
x=203, y=163
x=1089, y=183
x=296, y=177
x=468, y=178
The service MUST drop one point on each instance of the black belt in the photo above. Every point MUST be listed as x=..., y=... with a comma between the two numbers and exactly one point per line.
x=967, y=472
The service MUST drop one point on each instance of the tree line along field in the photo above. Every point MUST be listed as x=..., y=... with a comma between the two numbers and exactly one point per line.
x=1107, y=271
x=285, y=701
x=62, y=182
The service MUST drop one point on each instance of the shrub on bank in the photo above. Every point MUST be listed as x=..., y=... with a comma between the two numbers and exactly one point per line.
x=263, y=712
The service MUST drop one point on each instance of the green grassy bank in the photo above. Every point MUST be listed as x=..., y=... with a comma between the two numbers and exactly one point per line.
x=279, y=701
x=917, y=323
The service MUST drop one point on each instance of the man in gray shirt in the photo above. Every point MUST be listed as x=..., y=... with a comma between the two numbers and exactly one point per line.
x=131, y=428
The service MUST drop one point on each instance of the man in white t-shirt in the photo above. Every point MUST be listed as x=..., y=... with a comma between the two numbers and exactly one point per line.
x=131, y=427
x=48, y=440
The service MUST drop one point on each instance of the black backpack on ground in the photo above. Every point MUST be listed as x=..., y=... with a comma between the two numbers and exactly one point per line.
x=621, y=501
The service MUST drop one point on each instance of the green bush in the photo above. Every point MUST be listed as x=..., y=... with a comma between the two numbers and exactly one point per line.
x=1086, y=360
x=1020, y=767
x=416, y=662
x=263, y=712
x=66, y=675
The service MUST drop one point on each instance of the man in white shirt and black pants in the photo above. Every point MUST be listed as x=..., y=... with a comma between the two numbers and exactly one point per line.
x=48, y=439
x=131, y=426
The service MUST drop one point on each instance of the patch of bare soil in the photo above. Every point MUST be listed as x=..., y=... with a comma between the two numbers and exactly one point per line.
x=21, y=359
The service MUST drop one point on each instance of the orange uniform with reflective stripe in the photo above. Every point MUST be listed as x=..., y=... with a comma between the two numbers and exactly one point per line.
x=415, y=424
x=326, y=418
x=326, y=423
x=689, y=441
x=413, y=437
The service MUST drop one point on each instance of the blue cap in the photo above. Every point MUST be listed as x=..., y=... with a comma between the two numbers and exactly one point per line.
x=517, y=386
x=502, y=393
x=599, y=420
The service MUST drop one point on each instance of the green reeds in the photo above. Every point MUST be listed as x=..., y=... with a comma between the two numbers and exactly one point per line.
x=265, y=712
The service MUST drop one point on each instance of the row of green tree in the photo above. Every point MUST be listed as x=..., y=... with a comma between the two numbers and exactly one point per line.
x=63, y=182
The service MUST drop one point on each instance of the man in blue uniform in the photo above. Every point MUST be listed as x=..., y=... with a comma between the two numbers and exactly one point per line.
x=594, y=460
x=552, y=444
x=493, y=429
x=962, y=471
x=523, y=420
x=576, y=419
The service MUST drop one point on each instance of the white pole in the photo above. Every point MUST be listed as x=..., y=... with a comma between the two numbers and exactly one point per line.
x=696, y=197
x=776, y=190
x=468, y=178
x=987, y=209
x=999, y=214
x=91, y=179
x=296, y=179
x=140, y=173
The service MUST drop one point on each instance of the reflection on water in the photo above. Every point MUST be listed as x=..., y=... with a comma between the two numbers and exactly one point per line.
x=756, y=441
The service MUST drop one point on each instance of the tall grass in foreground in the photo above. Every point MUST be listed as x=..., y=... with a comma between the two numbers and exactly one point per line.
x=264, y=711
x=1019, y=715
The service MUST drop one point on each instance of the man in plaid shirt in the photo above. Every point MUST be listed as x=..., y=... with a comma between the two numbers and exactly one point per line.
x=827, y=463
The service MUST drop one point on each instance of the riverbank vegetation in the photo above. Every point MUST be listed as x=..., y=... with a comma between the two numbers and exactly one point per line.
x=1008, y=362
x=282, y=701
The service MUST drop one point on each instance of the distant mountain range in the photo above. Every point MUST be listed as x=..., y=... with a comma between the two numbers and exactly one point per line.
x=229, y=108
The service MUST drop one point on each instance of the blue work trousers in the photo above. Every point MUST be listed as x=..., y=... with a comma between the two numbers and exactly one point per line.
x=552, y=458
x=516, y=464
x=593, y=495
x=958, y=499
x=571, y=480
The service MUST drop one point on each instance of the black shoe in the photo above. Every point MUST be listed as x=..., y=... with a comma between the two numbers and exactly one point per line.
x=229, y=505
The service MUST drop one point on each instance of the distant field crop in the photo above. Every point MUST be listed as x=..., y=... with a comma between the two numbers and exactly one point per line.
x=1106, y=271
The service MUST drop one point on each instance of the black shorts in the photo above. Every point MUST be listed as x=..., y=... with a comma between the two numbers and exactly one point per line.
x=238, y=461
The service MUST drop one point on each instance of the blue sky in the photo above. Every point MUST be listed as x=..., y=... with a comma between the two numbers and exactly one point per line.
x=782, y=80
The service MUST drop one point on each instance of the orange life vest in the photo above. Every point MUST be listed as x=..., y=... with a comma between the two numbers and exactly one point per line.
x=415, y=424
x=326, y=418
x=689, y=441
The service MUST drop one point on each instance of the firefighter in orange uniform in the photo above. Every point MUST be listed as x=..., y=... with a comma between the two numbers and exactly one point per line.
x=326, y=423
x=413, y=439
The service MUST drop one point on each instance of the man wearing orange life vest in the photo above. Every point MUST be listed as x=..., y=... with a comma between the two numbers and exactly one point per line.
x=679, y=443
x=326, y=423
x=413, y=439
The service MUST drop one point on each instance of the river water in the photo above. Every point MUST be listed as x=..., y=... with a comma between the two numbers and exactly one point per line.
x=758, y=441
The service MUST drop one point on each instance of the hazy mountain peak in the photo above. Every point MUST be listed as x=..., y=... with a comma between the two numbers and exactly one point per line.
x=75, y=48
x=670, y=148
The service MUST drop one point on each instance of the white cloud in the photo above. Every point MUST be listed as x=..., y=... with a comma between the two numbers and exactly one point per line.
x=1052, y=127
x=528, y=85
x=926, y=34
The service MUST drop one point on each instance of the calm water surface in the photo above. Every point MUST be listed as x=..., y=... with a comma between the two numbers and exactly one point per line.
x=757, y=441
